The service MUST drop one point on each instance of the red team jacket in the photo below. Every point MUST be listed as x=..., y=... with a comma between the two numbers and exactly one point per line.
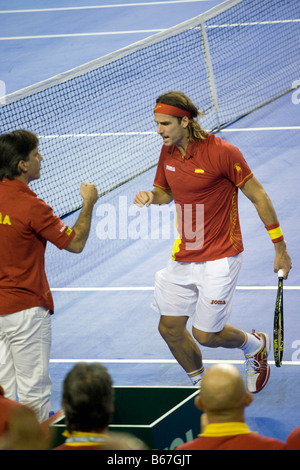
x=26, y=224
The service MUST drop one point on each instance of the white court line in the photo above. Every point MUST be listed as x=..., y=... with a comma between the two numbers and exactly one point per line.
x=72, y=35
x=94, y=134
x=253, y=23
x=110, y=33
x=151, y=288
x=95, y=289
x=94, y=7
x=109, y=134
x=157, y=361
x=249, y=129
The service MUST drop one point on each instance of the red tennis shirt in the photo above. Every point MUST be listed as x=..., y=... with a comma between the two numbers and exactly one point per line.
x=26, y=224
x=231, y=436
x=204, y=186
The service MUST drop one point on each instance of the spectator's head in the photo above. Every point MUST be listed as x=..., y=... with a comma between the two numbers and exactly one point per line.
x=223, y=395
x=88, y=400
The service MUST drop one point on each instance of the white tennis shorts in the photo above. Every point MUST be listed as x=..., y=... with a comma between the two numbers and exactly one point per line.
x=203, y=291
x=25, y=341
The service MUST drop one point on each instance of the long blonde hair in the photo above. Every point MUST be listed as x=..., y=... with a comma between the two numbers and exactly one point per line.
x=180, y=100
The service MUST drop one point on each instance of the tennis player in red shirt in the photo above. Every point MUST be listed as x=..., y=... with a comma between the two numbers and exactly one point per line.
x=202, y=174
x=26, y=304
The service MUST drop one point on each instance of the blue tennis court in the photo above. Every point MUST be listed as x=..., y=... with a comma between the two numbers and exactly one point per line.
x=102, y=297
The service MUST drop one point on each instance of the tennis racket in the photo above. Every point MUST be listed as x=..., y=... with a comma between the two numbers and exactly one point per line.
x=278, y=322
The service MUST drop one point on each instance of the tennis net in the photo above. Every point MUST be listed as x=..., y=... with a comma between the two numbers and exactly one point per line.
x=95, y=122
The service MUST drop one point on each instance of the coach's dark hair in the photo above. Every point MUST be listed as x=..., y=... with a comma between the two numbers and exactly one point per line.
x=14, y=147
x=87, y=399
x=180, y=100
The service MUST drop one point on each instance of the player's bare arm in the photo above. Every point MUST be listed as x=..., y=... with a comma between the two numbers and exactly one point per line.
x=82, y=226
x=156, y=196
x=256, y=193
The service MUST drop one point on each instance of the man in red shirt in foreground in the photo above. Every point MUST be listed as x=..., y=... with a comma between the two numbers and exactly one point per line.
x=26, y=304
x=6, y=408
x=202, y=174
x=223, y=398
x=19, y=427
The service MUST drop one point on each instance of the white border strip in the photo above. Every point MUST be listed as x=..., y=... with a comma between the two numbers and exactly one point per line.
x=193, y=392
x=158, y=420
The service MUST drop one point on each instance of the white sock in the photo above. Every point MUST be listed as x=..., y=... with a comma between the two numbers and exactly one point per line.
x=196, y=376
x=252, y=343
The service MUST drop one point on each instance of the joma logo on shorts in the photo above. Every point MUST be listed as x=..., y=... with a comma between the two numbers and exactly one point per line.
x=222, y=302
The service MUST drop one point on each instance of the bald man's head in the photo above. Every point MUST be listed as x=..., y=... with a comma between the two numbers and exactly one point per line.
x=223, y=392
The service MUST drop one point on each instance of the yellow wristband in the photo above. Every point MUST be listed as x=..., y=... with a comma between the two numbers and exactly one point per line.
x=275, y=232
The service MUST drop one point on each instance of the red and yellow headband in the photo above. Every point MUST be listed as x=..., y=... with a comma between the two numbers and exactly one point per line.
x=162, y=108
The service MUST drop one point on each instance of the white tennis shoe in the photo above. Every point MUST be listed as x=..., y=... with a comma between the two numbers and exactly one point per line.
x=257, y=367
